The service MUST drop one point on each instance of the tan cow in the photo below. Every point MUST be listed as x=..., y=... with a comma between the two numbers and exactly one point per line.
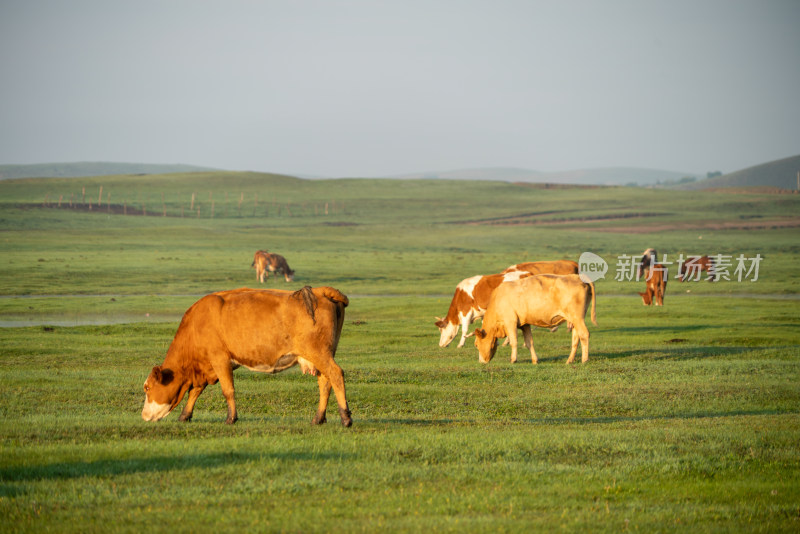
x=472, y=296
x=546, y=267
x=264, y=330
x=545, y=300
x=469, y=303
x=267, y=262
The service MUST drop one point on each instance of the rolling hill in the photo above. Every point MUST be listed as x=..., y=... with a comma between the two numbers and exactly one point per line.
x=781, y=173
x=602, y=176
x=91, y=168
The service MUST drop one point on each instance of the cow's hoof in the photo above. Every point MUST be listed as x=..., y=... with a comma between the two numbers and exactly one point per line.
x=319, y=419
x=347, y=421
x=185, y=418
x=230, y=421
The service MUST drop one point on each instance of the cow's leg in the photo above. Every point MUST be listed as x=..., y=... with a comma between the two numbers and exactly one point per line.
x=512, y=340
x=526, y=333
x=225, y=375
x=583, y=335
x=336, y=378
x=574, y=348
x=186, y=414
x=466, y=321
x=464, y=330
x=324, y=393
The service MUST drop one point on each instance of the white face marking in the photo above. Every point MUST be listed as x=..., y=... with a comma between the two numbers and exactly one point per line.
x=448, y=334
x=154, y=411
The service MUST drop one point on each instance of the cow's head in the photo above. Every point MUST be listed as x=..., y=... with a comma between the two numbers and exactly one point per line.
x=447, y=331
x=487, y=345
x=162, y=392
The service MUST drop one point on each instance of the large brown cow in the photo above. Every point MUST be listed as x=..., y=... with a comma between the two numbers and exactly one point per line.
x=264, y=330
x=545, y=300
x=546, y=267
x=469, y=303
x=267, y=262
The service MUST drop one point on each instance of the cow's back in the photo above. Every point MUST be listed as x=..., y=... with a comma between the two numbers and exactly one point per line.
x=540, y=300
x=260, y=325
x=562, y=267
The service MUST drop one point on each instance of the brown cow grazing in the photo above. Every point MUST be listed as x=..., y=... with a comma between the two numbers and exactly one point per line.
x=469, y=303
x=545, y=300
x=656, y=286
x=694, y=265
x=266, y=262
x=264, y=330
x=546, y=267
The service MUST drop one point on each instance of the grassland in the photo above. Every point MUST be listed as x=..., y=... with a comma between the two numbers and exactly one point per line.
x=685, y=418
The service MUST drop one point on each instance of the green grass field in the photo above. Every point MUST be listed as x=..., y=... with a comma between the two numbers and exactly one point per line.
x=686, y=417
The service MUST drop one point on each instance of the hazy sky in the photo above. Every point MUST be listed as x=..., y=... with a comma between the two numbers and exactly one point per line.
x=382, y=87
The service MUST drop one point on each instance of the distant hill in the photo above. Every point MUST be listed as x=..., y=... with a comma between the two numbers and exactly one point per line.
x=604, y=176
x=781, y=173
x=69, y=170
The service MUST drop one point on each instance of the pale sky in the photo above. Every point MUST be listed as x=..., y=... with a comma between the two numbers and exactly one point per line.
x=382, y=87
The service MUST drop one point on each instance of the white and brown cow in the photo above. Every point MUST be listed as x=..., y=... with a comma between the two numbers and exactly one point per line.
x=266, y=262
x=264, y=330
x=545, y=300
x=469, y=303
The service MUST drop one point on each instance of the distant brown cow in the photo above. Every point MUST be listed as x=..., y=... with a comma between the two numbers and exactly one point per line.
x=267, y=262
x=546, y=267
x=694, y=265
x=656, y=286
x=546, y=300
x=264, y=330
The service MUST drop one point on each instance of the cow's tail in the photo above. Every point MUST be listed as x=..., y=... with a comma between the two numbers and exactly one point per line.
x=309, y=299
x=333, y=294
x=340, y=302
x=594, y=301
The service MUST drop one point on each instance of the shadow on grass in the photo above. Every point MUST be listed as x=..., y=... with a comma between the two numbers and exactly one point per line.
x=649, y=328
x=605, y=419
x=678, y=353
x=115, y=467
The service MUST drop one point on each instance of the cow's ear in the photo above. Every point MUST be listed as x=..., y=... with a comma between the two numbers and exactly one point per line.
x=162, y=376
x=481, y=333
x=156, y=373
x=439, y=322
